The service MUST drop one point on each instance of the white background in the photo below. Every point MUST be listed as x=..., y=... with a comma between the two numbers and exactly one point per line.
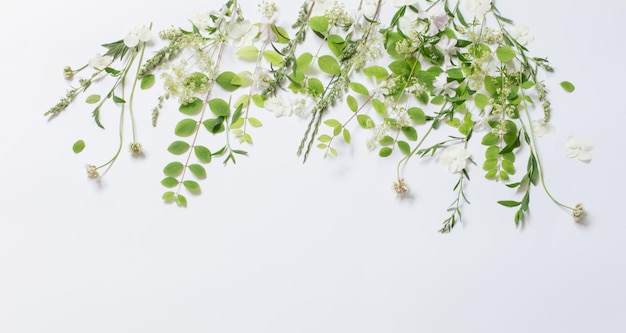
x=273, y=245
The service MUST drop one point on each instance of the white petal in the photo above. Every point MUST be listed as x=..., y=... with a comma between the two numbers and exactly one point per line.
x=131, y=40
x=571, y=152
x=584, y=156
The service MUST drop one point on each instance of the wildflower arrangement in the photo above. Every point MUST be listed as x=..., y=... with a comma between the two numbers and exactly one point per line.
x=423, y=83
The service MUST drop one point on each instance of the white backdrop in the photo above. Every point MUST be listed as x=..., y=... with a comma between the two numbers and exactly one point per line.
x=273, y=245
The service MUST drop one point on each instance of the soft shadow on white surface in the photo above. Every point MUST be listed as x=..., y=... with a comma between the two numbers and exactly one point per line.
x=276, y=246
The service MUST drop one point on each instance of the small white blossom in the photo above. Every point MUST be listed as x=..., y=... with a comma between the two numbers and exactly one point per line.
x=100, y=61
x=442, y=86
x=578, y=212
x=281, y=105
x=242, y=33
x=201, y=20
x=579, y=148
x=401, y=187
x=401, y=3
x=522, y=34
x=437, y=17
x=269, y=16
x=411, y=26
x=447, y=46
x=478, y=7
x=138, y=33
x=542, y=127
x=454, y=158
x=92, y=171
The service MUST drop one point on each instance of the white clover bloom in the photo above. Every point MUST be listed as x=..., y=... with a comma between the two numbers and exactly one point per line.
x=542, y=127
x=100, y=61
x=401, y=3
x=242, y=33
x=442, y=86
x=138, y=33
x=201, y=20
x=454, y=158
x=522, y=34
x=281, y=105
x=437, y=17
x=579, y=148
x=478, y=7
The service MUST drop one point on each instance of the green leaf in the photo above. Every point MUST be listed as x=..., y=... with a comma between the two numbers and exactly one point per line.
x=417, y=115
x=405, y=148
x=490, y=164
x=329, y=65
x=191, y=108
x=319, y=24
x=202, y=153
x=352, y=103
x=325, y=138
x=346, y=135
x=78, y=146
x=316, y=86
x=215, y=125
x=336, y=44
x=198, y=170
x=178, y=147
x=386, y=140
x=168, y=196
x=490, y=139
x=173, y=169
x=118, y=100
x=169, y=182
x=248, y=52
x=492, y=152
x=147, y=81
x=254, y=122
x=225, y=80
x=568, y=86
x=509, y=203
x=365, y=121
x=359, y=88
x=505, y=53
x=181, y=200
x=192, y=186
x=258, y=100
x=186, y=127
x=219, y=107
x=332, y=123
x=379, y=107
x=237, y=114
x=385, y=152
x=481, y=101
x=93, y=99
x=303, y=61
x=508, y=167
x=380, y=73
x=273, y=57
x=410, y=133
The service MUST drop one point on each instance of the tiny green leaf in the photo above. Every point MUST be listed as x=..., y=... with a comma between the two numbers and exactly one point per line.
x=346, y=135
x=365, y=121
x=78, y=146
x=417, y=115
x=202, y=153
x=273, y=57
x=332, y=123
x=359, y=88
x=505, y=53
x=192, y=186
x=405, y=148
x=225, y=80
x=386, y=140
x=352, y=103
x=329, y=65
x=185, y=127
x=181, y=200
x=568, y=86
x=410, y=133
x=168, y=196
x=93, y=99
x=319, y=24
x=198, y=170
x=169, y=182
x=254, y=122
x=191, y=108
x=178, y=147
x=173, y=169
x=385, y=151
x=147, y=81
x=219, y=107
x=248, y=52
x=509, y=203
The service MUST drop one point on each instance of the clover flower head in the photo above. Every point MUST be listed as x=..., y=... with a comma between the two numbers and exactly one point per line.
x=201, y=20
x=100, y=62
x=268, y=10
x=401, y=187
x=578, y=212
x=138, y=33
x=579, y=148
x=281, y=105
x=522, y=34
x=442, y=86
x=454, y=158
x=478, y=7
x=542, y=127
x=92, y=171
x=402, y=3
x=135, y=148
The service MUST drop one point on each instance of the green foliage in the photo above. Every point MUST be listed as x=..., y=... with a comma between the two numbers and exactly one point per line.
x=78, y=146
x=186, y=127
x=568, y=86
x=329, y=65
x=147, y=81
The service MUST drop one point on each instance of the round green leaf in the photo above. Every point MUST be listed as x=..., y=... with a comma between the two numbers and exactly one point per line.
x=385, y=151
x=568, y=86
x=191, y=108
x=248, y=52
x=404, y=147
x=202, y=153
x=505, y=53
x=173, y=169
x=169, y=182
x=225, y=80
x=410, y=133
x=329, y=65
x=147, y=81
x=186, y=127
x=178, y=147
x=192, y=186
x=219, y=107
x=198, y=170
x=93, y=99
x=78, y=146
x=319, y=24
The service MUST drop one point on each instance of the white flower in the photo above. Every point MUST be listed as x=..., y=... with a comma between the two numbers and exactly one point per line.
x=447, y=46
x=481, y=120
x=201, y=20
x=401, y=3
x=280, y=104
x=437, y=17
x=542, y=127
x=478, y=7
x=138, y=33
x=522, y=34
x=370, y=6
x=455, y=158
x=321, y=6
x=410, y=25
x=579, y=148
x=242, y=33
x=100, y=61
x=442, y=86
x=266, y=28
